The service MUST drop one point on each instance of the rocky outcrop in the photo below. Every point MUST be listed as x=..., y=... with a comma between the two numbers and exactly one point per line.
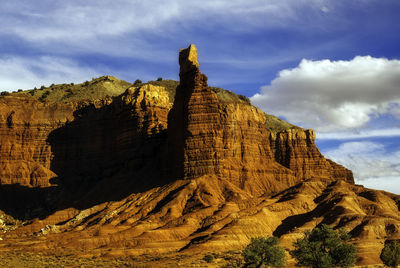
x=53, y=154
x=193, y=122
x=166, y=169
x=212, y=135
x=296, y=150
x=25, y=153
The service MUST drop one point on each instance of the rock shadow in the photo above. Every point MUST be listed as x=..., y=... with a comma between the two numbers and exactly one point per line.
x=105, y=154
x=325, y=209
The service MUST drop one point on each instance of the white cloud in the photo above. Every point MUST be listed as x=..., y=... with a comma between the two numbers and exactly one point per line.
x=372, y=164
x=390, y=184
x=75, y=20
x=20, y=72
x=363, y=134
x=324, y=9
x=334, y=95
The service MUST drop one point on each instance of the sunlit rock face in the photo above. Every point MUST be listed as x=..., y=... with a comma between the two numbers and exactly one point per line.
x=231, y=139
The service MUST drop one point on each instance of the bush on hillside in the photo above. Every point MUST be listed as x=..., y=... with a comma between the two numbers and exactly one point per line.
x=324, y=247
x=208, y=258
x=390, y=254
x=264, y=251
x=137, y=82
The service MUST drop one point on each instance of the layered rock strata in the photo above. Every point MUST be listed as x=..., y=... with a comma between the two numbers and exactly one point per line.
x=296, y=150
x=229, y=139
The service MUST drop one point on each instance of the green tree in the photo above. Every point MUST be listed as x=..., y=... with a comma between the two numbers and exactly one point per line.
x=390, y=254
x=264, y=251
x=324, y=247
x=137, y=82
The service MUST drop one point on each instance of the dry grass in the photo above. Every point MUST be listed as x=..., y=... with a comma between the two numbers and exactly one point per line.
x=98, y=88
x=19, y=259
x=273, y=123
x=36, y=260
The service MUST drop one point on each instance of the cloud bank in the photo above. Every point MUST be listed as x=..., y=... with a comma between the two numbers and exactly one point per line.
x=373, y=165
x=20, y=72
x=334, y=95
x=82, y=20
x=363, y=134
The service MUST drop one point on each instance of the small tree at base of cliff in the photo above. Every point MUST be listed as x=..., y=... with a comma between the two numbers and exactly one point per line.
x=324, y=247
x=264, y=251
x=390, y=254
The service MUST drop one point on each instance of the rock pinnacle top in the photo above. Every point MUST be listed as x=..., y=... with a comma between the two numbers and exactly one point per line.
x=188, y=59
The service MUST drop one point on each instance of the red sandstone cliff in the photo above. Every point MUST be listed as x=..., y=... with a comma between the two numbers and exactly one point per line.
x=230, y=140
x=162, y=170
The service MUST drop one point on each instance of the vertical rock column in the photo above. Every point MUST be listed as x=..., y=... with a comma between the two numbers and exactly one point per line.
x=193, y=122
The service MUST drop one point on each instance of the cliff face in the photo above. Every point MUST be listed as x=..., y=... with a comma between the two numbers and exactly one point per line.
x=54, y=154
x=296, y=150
x=25, y=125
x=162, y=168
x=229, y=139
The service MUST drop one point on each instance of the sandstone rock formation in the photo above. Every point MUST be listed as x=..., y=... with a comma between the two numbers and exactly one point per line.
x=166, y=168
x=231, y=140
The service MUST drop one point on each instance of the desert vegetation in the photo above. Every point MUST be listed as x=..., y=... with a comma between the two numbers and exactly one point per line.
x=324, y=247
x=390, y=254
x=264, y=251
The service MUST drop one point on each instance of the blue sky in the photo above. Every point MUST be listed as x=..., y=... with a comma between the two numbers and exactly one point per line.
x=330, y=65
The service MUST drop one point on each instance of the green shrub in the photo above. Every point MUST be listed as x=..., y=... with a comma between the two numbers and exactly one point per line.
x=209, y=258
x=159, y=79
x=324, y=247
x=137, y=82
x=244, y=98
x=390, y=254
x=264, y=251
x=44, y=96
